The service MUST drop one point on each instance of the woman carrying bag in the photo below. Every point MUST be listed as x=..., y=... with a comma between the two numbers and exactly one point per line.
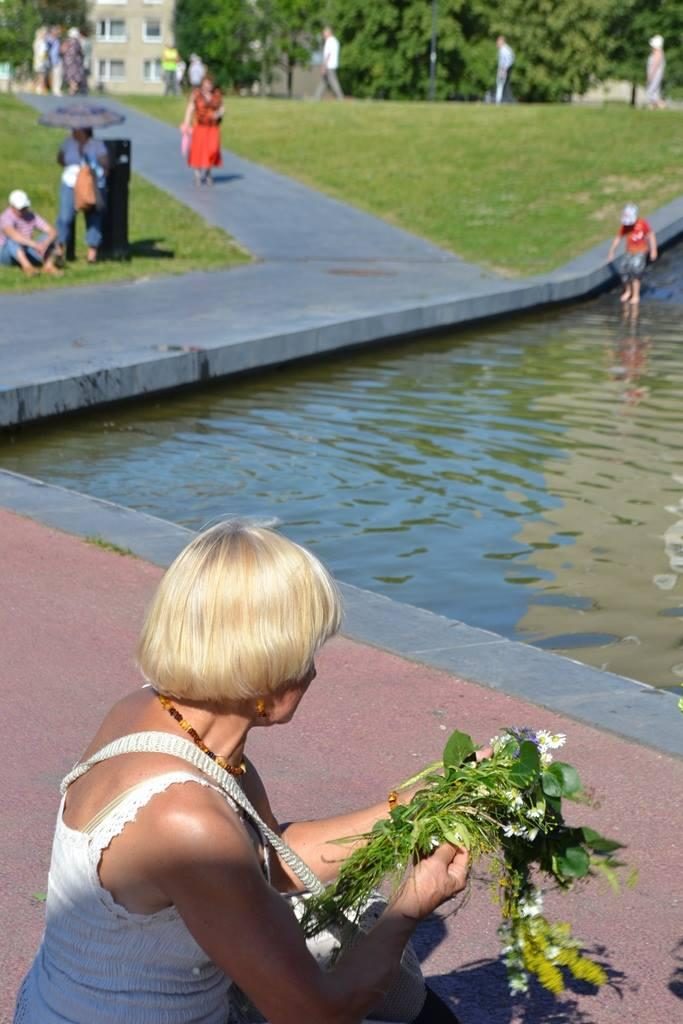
x=83, y=186
x=168, y=864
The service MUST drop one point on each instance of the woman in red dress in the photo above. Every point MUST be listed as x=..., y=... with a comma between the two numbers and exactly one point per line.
x=203, y=117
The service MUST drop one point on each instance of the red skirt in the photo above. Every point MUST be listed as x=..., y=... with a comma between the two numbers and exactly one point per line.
x=205, y=147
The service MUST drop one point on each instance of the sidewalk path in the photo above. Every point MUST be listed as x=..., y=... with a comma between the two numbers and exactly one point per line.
x=70, y=612
x=330, y=277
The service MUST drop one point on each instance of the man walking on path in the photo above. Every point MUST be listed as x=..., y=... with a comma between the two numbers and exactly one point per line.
x=506, y=58
x=330, y=64
x=169, y=65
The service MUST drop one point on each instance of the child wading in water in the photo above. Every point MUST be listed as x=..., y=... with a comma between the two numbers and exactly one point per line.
x=640, y=240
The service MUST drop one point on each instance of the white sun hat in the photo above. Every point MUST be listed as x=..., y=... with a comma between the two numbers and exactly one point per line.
x=629, y=214
x=657, y=42
x=19, y=200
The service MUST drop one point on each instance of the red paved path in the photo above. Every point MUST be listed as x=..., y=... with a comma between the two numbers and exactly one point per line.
x=68, y=621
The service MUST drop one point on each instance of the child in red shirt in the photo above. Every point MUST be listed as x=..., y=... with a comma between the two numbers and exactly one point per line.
x=640, y=240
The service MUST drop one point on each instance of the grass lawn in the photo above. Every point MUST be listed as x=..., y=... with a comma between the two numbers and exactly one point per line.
x=165, y=236
x=519, y=188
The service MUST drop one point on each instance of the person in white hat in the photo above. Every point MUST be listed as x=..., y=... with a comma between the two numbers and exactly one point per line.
x=640, y=242
x=26, y=239
x=656, y=65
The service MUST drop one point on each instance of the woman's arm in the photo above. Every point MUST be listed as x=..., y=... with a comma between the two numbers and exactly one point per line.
x=207, y=867
x=314, y=841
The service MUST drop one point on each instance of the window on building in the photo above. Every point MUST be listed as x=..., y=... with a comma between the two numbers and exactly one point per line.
x=151, y=30
x=151, y=71
x=111, y=30
x=111, y=70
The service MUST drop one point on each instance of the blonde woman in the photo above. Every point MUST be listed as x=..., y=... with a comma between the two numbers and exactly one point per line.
x=161, y=893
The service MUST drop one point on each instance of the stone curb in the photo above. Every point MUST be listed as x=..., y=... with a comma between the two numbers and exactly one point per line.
x=630, y=709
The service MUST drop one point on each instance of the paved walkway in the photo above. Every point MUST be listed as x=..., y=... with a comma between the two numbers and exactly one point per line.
x=330, y=276
x=70, y=613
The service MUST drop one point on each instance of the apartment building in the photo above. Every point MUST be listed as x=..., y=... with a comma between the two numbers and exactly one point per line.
x=128, y=39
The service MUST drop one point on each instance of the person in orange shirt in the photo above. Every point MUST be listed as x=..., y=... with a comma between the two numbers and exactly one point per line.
x=640, y=242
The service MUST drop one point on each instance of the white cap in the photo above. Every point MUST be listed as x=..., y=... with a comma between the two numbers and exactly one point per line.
x=629, y=214
x=73, y=33
x=19, y=200
x=657, y=42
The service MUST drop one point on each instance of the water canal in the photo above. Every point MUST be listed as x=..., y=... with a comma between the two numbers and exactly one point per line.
x=524, y=476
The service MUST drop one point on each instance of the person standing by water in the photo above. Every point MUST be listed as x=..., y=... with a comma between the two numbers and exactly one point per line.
x=203, y=116
x=640, y=242
x=506, y=58
x=81, y=148
x=656, y=65
x=329, y=67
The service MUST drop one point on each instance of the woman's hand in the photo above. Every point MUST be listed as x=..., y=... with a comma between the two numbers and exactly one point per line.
x=433, y=881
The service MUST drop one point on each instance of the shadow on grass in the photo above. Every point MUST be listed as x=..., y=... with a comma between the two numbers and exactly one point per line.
x=148, y=248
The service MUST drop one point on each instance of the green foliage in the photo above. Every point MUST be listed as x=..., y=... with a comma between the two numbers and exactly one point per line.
x=631, y=27
x=19, y=20
x=497, y=807
x=287, y=35
x=386, y=46
x=223, y=33
x=457, y=750
x=560, y=48
x=62, y=12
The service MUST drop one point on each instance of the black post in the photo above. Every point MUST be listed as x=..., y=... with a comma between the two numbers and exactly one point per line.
x=432, y=51
x=115, y=226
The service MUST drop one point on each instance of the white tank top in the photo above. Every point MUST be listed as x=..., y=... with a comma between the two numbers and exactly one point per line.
x=100, y=964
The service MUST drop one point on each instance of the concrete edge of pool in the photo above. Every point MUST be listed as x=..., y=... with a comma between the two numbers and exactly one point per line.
x=47, y=377
x=628, y=708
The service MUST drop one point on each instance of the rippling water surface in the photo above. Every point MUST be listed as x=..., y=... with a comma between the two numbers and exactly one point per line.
x=524, y=476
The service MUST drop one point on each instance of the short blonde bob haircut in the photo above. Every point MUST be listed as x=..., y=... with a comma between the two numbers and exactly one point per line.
x=239, y=614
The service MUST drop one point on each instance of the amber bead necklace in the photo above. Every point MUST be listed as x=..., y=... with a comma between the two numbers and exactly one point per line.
x=221, y=761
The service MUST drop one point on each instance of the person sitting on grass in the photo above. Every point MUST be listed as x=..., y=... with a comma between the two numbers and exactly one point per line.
x=26, y=239
x=640, y=240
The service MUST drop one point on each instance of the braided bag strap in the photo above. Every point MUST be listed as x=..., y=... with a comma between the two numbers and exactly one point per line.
x=176, y=746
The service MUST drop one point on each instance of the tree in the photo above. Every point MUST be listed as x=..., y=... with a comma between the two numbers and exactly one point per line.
x=19, y=20
x=67, y=13
x=287, y=34
x=560, y=47
x=386, y=45
x=225, y=34
x=632, y=25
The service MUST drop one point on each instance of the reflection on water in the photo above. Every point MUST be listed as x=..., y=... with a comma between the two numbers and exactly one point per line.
x=525, y=476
